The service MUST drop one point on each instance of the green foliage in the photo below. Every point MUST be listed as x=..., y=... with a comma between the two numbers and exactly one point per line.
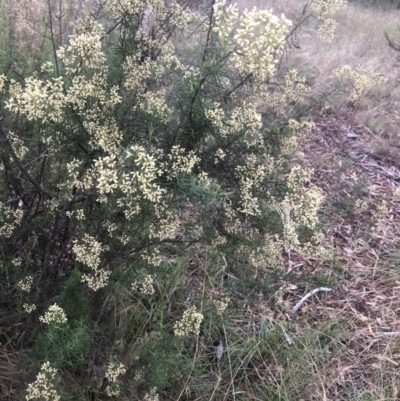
x=73, y=295
x=162, y=367
x=63, y=347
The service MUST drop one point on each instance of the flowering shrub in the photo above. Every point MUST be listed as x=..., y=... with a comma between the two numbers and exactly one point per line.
x=137, y=174
x=126, y=148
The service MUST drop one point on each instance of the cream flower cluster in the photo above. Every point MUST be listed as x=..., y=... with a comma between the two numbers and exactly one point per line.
x=134, y=6
x=104, y=134
x=88, y=252
x=29, y=307
x=242, y=119
x=149, y=12
x=221, y=305
x=287, y=91
x=85, y=89
x=190, y=323
x=55, y=314
x=139, y=71
x=322, y=8
x=303, y=201
x=155, y=105
x=43, y=387
x=167, y=224
x=216, y=116
x=360, y=78
x=123, y=6
x=145, y=286
x=191, y=75
x=19, y=148
x=299, y=130
x=39, y=100
x=382, y=212
x=232, y=217
x=257, y=37
x=2, y=82
x=180, y=162
x=47, y=67
x=135, y=174
x=246, y=119
x=269, y=254
x=219, y=155
x=181, y=18
x=249, y=175
x=361, y=206
x=26, y=283
x=152, y=395
x=98, y=279
x=16, y=262
x=114, y=370
x=327, y=29
x=106, y=173
x=9, y=220
x=84, y=49
x=143, y=178
x=80, y=214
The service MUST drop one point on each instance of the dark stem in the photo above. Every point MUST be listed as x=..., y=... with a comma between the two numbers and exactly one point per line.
x=52, y=37
x=20, y=166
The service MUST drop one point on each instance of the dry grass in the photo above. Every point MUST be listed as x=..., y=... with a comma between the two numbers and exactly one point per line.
x=10, y=370
x=362, y=362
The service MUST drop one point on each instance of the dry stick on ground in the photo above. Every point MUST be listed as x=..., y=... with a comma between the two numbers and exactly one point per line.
x=389, y=334
x=310, y=294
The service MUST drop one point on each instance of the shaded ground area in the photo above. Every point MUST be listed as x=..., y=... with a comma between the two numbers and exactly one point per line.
x=362, y=214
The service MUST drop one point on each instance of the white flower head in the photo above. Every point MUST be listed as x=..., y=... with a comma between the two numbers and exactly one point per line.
x=54, y=314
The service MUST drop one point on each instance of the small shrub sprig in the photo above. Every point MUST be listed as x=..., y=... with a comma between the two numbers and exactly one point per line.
x=359, y=78
x=322, y=9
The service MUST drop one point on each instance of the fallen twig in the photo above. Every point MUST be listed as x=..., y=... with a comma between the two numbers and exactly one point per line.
x=389, y=334
x=304, y=299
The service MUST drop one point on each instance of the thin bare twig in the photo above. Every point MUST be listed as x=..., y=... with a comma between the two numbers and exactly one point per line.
x=310, y=294
x=9, y=147
x=389, y=334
